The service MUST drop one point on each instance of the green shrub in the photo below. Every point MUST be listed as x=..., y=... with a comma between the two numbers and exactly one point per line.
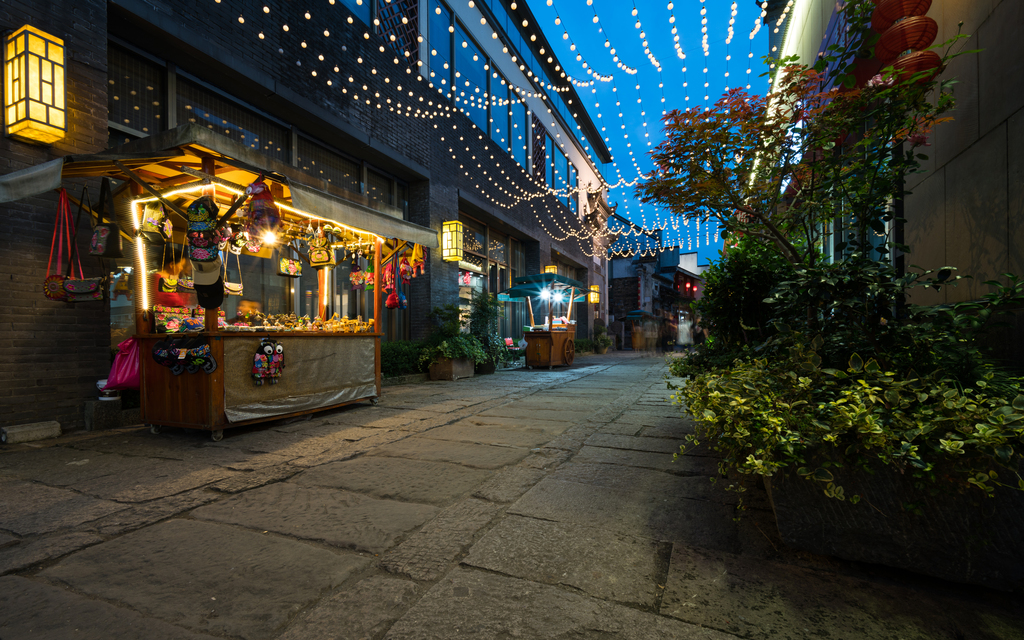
x=584, y=345
x=765, y=415
x=400, y=358
x=460, y=346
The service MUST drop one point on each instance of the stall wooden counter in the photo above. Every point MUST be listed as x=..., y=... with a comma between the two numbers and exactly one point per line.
x=323, y=370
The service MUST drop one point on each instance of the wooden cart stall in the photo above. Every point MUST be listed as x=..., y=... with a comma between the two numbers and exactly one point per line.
x=328, y=362
x=551, y=344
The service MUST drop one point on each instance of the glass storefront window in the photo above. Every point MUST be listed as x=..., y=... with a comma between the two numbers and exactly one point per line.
x=136, y=95
x=520, y=132
x=471, y=79
x=474, y=237
x=359, y=8
x=440, y=47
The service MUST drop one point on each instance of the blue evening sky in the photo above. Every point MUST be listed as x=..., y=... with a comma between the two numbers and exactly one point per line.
x=617, y=25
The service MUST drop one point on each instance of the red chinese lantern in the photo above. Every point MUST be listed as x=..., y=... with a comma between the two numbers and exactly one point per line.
x=912, y=34
x=889, y=11
x=917, y=62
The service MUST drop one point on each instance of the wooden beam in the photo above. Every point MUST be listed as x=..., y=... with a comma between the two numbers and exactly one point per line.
x=149, y=189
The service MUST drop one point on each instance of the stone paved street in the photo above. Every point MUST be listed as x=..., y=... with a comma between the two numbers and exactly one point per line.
x=525, y=504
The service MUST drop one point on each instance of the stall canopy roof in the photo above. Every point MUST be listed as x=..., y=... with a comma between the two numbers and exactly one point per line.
x=531, y=286
x=159, y=161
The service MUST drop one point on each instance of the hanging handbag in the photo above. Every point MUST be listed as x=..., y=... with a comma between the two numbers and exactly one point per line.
x=392, y=300
x=321, y=254
x=289, y=267
x=80, y=289
x=53, y=285
x=106, y=236
x=231, y=288
x=156, y=225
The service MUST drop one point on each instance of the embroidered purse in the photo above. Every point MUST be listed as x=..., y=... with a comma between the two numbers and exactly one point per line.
x=106, y=236
x=80, y=289
x=289, y=267
x=231, y=288
x=320, y=252
x=53, y=285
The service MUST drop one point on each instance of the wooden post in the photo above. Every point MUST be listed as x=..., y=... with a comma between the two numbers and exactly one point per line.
x=377, y=282
x=551, y=310
x=139, y=280
x=568, y=315
x=211, y=315
x=322, y=284
x=529, y=305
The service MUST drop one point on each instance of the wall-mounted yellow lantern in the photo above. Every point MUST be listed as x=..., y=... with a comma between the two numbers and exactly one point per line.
x=451, y=241
x=34, y=86
x=551, y=268
x=595, y=294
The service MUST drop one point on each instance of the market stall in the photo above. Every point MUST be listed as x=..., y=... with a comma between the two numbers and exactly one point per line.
x=198, y=212
x=552, y=342
x=645, y=328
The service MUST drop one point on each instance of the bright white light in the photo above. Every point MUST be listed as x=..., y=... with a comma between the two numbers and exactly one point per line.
x=545, y=294
x=557, y=297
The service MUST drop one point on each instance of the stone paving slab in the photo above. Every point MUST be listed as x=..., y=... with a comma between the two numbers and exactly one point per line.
x=761, y=600
x=339, y=518
x=427, y=553
x=522, y=422
x=263, y=439
x=599, y=563
x=508, y=484
x=518, y=411
x=672, y=428
x=28, y=508
x=245, y=481
x=157, y=479
x=466, y=431
x=480, y=456
x=140, y=515
x=28, y=553
x=378, y=417
x=662, y=417
x=64, y=466
x=6, y=539
x=364, y=611
x=632, y=443
x=659, y=515
x=438, y=483
x=469, y=604
x=619, y=428
x=208, y=577
x=37, y=610
x=685, y=465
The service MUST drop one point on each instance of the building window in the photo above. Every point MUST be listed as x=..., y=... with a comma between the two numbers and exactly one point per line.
x=471, y=78
x=204, y=107
x=500, y=112
x=136, y=91
x=379, y=187
x=520, y=131
x=318, y=161
x=574, y=183
x=359, y=8
x=400, y=18
x=440, y=42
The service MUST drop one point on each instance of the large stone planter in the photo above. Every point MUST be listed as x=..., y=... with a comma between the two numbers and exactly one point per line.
x=964, y=537
x=451, y=369
x=600, y=350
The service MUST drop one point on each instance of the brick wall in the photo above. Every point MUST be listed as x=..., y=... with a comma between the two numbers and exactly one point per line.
x=57, y=350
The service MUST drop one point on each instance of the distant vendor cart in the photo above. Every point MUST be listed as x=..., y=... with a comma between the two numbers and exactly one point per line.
x=549, y=344
x=645, y=328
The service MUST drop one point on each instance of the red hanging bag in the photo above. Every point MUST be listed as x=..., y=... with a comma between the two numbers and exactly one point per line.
x=53, y=285
x=124, y=374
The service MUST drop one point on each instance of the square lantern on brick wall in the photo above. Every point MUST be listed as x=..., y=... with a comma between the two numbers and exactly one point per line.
x=34, y=109
x=551, y=268
x=595, y=294
x=451, y=241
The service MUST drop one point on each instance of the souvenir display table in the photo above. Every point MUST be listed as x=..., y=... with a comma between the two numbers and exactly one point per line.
x=551, y=344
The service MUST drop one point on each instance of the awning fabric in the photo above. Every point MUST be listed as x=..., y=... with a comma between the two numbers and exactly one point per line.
x=32, y=181
x=159, y=157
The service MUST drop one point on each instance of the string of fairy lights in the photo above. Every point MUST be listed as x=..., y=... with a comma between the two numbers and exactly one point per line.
x=394, y=89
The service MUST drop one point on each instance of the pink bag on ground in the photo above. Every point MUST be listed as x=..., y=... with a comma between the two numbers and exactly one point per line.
x=124, y=374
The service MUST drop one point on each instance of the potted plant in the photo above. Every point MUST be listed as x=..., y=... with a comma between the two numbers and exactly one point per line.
x=601, y=339
x=880, y=428
x=450, y=354
x=485, y=312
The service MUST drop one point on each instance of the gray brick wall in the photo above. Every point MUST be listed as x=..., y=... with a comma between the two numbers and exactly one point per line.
x=58, y=350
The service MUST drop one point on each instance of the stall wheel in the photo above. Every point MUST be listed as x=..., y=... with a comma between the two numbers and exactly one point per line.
x=570, y=352
x=217, y=435
x=375, y=401
x=155, y=429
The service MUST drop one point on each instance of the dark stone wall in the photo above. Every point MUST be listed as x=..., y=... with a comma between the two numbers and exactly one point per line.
x=56, y=351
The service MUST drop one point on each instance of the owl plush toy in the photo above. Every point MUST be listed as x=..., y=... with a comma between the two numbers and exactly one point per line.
x=268, y=363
